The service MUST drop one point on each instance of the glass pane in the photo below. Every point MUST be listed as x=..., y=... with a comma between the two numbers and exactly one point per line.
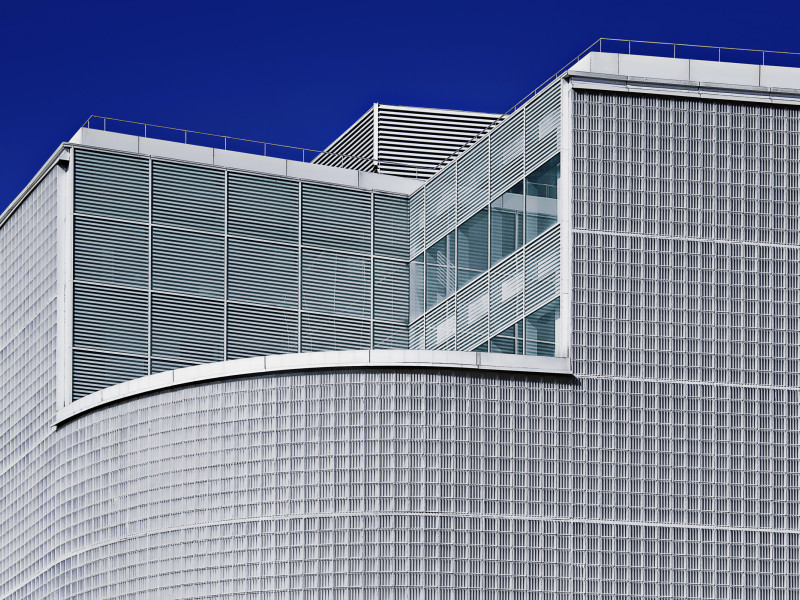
x=473, y=247
x=507, y=214
x=417, y=278
x=540, y=330
x=440, y=270
x=508, y=341
x=541, y=191
x=484, y=347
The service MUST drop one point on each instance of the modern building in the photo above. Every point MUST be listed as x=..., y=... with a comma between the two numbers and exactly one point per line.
x=546, y=354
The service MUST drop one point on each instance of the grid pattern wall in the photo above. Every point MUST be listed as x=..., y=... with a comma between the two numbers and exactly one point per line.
x=388, y=483
x=461, y=205
x=201, y=265
x=27, y=385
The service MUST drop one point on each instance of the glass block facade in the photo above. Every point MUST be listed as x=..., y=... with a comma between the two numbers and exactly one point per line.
x=178, y=264
x=485, y=241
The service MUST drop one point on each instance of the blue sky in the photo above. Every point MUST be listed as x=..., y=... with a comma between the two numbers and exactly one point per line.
x=299, y=73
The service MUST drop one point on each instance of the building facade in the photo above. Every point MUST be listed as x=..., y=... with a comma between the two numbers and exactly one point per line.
x=564, y=365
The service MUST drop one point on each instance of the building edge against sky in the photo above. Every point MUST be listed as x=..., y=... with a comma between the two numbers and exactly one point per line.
x=642, y=443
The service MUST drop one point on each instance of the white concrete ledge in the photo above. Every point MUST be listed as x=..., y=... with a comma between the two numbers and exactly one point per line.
x=433, y=359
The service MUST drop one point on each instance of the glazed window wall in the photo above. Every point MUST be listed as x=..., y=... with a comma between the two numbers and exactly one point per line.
x=177, y=264
x=485, y=238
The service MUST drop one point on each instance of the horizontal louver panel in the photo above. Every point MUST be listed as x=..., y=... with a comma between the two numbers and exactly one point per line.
x=93, y=371
x=416, y=222
x=506, y=286
x=257, y=330
x=325, y=332
x=336, y=283
x=158, y=365
x=441, y=327
x=354, y=148
x=188, y=196
x=108, y=318
x=111, y=252
x=542, y=277
x=263, y=207
x=472, y=311
x=388, y=336
x=188, y=262
x=187, y=328
x=336, y=218
x=391, y=226
x=507, y=151
x=416, y=334
x=110, y=185
x=391, y=291
x=543, y=126
x=440, y=204
x=262, y=273
x=473, y=180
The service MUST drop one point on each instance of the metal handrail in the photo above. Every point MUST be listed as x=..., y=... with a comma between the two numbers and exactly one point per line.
x=226, y=138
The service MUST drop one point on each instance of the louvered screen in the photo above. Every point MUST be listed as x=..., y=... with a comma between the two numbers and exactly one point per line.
x=326, y=332
x=391, y=291
x=111, y=252
x=416, y=334
x=111, y=185
x=473, y=180
x=159, y=365
x=263, y=273
x=93, y=371
x=440, y=204
x=391, y=226
x=336, y=218
x=257, y=330
x=388, y=336
x=542, y=277
x=106, y=318
x=542, y=126
x=507, y=147
x=472, y=310
x=354, y=148
x=263, y=207
x=440, y=327
x=187, y=329
x=188, y=262
x=416, y=222
x=506, y=285
x=336, y=283
x=188, y=196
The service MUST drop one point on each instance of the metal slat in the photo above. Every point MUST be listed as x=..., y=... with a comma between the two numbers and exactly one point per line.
x=387, y=336
x=111, y=252
x=93, y=371
x=473, y=180
x=106, y=318
x=507, y=155
x=188, y=196
x=187, y=328
x=506, y=293
x=262, y=273
x=159, y=365
x=542, y=126
x=440, y=327
x=327, y=332
x=336, y=218
x=542, y=263
x=111, y=185
x=391, y=291
x=258, y=330
x=440, y=204
x=472, y=310
x=391, y=226
x=188, y=262
x=263, y=207
x=336, y=283
x=416, y=334
x=416, y=222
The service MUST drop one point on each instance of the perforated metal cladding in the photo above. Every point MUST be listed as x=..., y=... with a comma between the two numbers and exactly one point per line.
x=340, y=219
x=391, y=226
x=336, y=283
x=252, y=260
x=107, y=251
x=188, y=196
x=263, y=207
x=111, y=185
x=262, y=273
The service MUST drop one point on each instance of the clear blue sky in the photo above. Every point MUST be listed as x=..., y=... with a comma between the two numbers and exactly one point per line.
x=299, y=73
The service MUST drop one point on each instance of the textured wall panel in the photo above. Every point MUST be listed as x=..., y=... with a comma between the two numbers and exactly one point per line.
x=189, y=196
x=258, y=330
x=188, y=262
x=187, y=329
x=110, y=185
x=391, y=226
x=262, y=273
x=111, y=252
x=336, y=218
x=263, y=207
x=336, y=283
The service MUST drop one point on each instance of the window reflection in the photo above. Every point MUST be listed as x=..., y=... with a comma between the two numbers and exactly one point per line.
x=440, y=270
x=473, y=247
